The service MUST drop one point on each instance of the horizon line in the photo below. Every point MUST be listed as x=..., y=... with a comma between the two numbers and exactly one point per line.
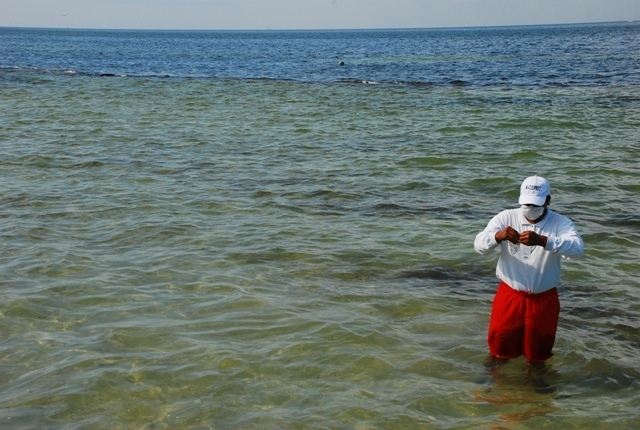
x=577, y=23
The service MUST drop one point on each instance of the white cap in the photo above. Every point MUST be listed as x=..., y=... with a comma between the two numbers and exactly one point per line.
x=534, y=191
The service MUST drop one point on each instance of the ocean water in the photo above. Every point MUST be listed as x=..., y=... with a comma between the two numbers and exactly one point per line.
x=275, y=229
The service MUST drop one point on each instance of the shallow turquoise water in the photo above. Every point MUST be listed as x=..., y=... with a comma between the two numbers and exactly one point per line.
x=196, y=253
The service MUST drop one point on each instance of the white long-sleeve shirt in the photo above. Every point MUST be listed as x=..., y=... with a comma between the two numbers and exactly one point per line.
x=533, y=269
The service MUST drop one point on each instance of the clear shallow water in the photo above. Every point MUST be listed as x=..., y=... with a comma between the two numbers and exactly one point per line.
x=269, y=247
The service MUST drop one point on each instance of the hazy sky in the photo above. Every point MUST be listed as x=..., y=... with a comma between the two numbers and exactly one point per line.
x=307, y=14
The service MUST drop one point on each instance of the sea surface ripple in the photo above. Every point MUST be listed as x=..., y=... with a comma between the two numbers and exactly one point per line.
x=193, y=249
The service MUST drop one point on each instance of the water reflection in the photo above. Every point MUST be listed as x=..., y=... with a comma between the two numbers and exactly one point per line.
x=520, y=391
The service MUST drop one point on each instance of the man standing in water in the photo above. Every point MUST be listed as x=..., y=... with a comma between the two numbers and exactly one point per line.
x=533, y=240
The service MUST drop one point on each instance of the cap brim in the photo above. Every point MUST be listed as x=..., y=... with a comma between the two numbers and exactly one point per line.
x=532, y=200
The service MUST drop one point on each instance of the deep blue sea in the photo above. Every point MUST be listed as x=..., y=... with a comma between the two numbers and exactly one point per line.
x=274, y=229
x=571, y=55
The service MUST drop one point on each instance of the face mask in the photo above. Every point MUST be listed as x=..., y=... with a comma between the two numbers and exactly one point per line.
x=532, y=212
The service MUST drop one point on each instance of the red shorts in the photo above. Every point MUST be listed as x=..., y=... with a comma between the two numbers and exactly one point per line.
x=523, y=323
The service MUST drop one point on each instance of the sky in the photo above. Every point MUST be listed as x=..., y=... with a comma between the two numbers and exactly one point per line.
x=307, y=14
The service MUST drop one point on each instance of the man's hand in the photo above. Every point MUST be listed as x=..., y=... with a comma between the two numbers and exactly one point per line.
x=508, y=233
x=531, y=238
